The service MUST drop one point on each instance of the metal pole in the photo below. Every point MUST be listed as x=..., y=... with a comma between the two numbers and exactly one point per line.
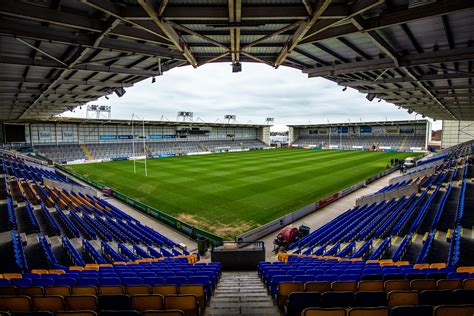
x=133, y=148
x=144, y=148
x=340, y=137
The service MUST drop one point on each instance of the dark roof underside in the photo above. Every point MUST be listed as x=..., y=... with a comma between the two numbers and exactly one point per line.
x=59, y=54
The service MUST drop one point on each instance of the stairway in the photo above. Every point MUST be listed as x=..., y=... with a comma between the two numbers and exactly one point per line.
x=241, y=293
x=404, y=142
x=87, y=152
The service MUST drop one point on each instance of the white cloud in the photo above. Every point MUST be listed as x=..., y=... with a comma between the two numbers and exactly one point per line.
x=257, y=92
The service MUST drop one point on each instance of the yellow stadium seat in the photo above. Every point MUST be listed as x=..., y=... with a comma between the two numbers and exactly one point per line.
x=465, y=269
x=147, y=302
x=468, y=284
x=446, y=284
x=40, y=271
x=423, y=284
x=317, y=286
x=438, y=265
x=375, y=285
x=12, y=276
x=75, y=313
x=402, y=263
x=91, y=265
x=83, y=290
x=369, y=311
x=15, y=303
x=396, y=285
x=167, y=312
x=421, y=266
x=50, y=303
x=111, y=289
x=76, y=268
x=198, y=291
x=456, y=310
x=187, y=303
x=285, y=289
x=8, y=290
x=57, y=290
x=137, y=289
x=30, y=290
x=344, y=286
x=81, y=302
x=91, y=268
x=167, y=289
x=401, y=298
x=314, y=311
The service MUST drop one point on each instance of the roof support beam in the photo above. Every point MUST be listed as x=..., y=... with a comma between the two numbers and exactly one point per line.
x=57, y=92
x=269, y=36
x=43, y=52
x=448, y=55
x=254, y=12
x=113, y=10
x=213, y=59
x=203, y=37
x=386, y=19
x=72, y=38
x=74, y=82
x=235, y=17
x=359, y=83
x=301, y=31
x=414, y=89
x=25, y=12
x=357, y=7
x=85, y=67
x=171, y=34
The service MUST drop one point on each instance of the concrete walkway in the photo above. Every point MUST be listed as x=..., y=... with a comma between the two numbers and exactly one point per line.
x=328, y=213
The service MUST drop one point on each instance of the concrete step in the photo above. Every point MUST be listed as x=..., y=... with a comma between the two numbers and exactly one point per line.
x=241, y=293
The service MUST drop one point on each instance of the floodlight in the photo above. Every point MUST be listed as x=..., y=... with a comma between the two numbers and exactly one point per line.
x=120, y=92
x=370, y=96
x=237, y=67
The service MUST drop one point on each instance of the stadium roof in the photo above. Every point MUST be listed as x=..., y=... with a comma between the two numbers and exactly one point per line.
x=377, y=123
x=70, y=120
x=58, y=54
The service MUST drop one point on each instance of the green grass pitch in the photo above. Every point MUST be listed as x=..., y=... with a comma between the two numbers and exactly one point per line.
x=230, y=193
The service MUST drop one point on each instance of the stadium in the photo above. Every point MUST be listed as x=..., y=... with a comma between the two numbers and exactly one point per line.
x=106, y=216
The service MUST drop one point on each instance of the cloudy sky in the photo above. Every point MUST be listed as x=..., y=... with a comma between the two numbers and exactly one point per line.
x=254, y=94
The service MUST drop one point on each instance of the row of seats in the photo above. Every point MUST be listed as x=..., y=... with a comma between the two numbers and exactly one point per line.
x=366, y=142
x=70, y=152
x=164, y=289
x=423, y=310
x=298, y=301
x=165, y=312
x=187, y=303
x=286, y=288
